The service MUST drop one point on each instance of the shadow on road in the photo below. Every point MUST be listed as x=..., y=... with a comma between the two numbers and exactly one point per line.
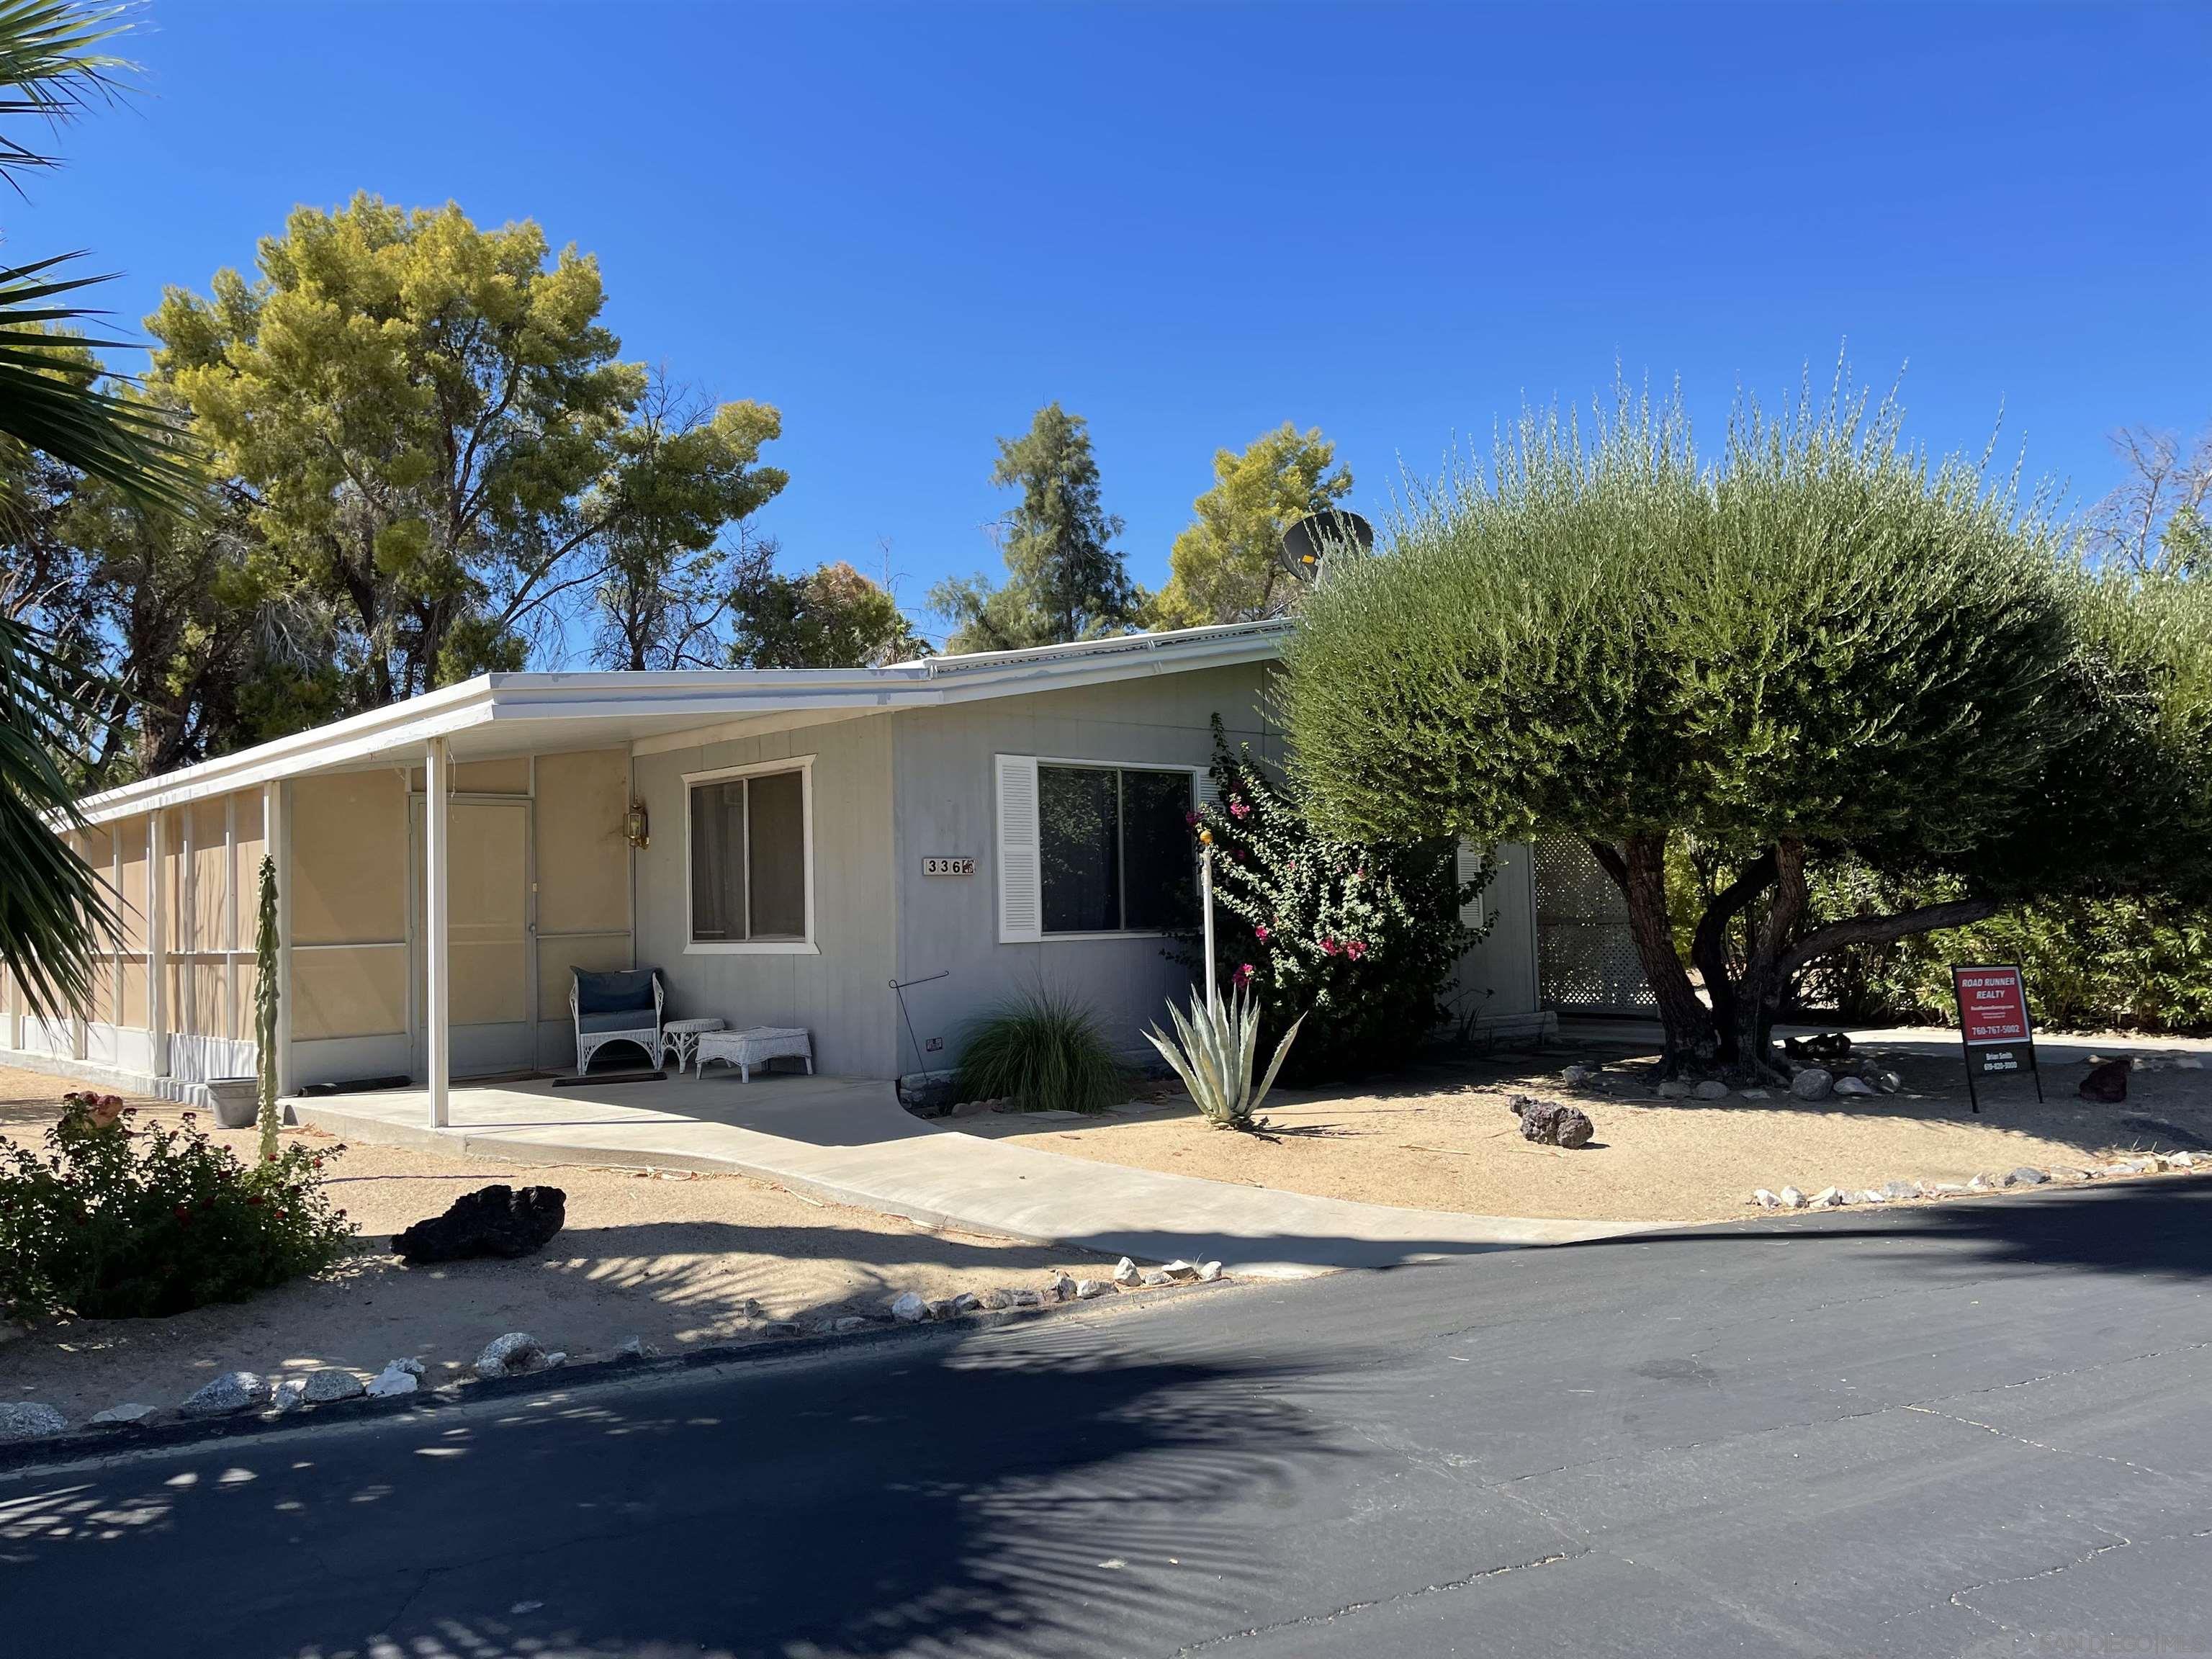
x=984, y=1495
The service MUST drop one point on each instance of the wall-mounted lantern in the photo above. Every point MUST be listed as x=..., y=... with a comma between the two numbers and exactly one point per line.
x=636, y=826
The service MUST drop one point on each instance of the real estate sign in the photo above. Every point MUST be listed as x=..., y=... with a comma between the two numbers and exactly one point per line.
x=1993, y=1025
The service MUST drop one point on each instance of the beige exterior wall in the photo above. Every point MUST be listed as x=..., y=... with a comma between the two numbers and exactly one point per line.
x=583, y=873
x=347, y=859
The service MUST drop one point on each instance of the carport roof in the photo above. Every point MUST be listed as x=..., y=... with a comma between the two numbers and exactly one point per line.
x=505, y=714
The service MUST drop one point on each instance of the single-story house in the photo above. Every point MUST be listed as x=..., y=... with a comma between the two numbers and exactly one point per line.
x=783, y=845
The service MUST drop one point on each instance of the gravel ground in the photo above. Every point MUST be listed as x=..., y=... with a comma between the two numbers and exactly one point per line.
x=1443, y=1138
x=671, y=1258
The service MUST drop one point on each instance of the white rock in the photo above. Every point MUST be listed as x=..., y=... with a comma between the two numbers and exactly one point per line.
x=330, y=1383
x=1757, y=1094
x=633, y=1347
x=1854, y=1085
x=412, y=1367
x=966, y=1303
x=941, y=1308
x=558, y=1357
x=847, y=1325
x=1125, y=1272
x=1673, y=1088
x=1981, y=1184
x=2184, y=1160
x=390, y=1383
x=909, y=1309
x=1711, y=1089
x=287, y=1393
x=1062, y=1288
x=1904, y=1189
x=1155, y=1278
x=1027, y=1299
x=1827, y=1196
x=1812, y=1084
x=2188, y=1062
x=1002, y=1296
x=1874, y=1195
x=515, y=1354
x=1180, y=1269
x=29, y=1419
x=1090, y=1290
x=1208, y=1271
x=1579, y=1073
x=1889, y=1082
x=1765, y=1201
x=2025, y=1176
x=1791, y=1198
x=234, y=1391
x=123, y=1415
x=1949, y=1189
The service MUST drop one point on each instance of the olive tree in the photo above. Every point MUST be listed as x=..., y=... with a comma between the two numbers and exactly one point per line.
x=1823, y=642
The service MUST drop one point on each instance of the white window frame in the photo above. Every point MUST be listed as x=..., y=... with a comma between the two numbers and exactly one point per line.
x=1199, y=795
x=804, y=765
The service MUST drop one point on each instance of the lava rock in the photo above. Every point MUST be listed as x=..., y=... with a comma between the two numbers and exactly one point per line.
x=1826, y=1046
x=234, y=1391
x=497, y=1220
x=2106, y=1081
x=27, y=1420
x=1549, y=1123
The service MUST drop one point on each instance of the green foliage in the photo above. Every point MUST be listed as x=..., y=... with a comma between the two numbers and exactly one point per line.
x=55, y=912
x=266, y=944
x=1065, y=579
x=1225, y=569
x=117, y=1224
x=1360, y=939
x=831, y=618
x=435, y=431
x=1213, y=1050
x=2090, y=964
x=1045, y=1052
x=1822, y=642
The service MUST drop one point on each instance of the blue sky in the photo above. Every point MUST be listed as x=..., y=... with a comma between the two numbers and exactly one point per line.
x=908, y=228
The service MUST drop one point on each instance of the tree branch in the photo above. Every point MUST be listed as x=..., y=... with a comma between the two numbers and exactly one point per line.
x=1881, y=930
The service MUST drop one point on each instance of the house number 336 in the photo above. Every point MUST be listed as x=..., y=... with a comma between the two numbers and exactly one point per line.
x=948, y=867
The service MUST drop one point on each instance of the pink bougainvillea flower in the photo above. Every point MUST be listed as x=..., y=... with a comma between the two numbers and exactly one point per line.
x=1237, y=808
x=1355, y=950
x=1242, y=976
x=1262, y=932
x=1191, y=818
x=1330, y=947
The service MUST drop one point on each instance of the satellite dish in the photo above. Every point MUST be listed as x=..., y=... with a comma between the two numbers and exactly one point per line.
x=1307, y=541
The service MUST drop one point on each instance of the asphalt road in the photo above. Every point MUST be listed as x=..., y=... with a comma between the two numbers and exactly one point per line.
x=1984, y=1429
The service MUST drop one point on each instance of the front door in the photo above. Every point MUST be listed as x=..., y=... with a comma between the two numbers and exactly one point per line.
x=491, y=946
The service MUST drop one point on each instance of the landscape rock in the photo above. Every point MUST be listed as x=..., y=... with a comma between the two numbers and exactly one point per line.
x=1154, y=1279
x=1209, y=1271
x=1579, y=1074
x=1812, y=1084
x=846, y=1324
x=393, y=1381
x=1854, y=1085
x=1090, y=1290
x=496, y=1220
x=1757, y=1094
x=1902, y=1189
x=2131, y=1166
x=1026, y=1298
x=966, y=1303
x=287, y=1395
x=1828, y=1197
x=941, y=1308
x=2188, y=1063
x=1062, y=1288
x=27, y=1420
x=234, y=1391
x=633, y=1348
x=1180, y=1269
x=329, y=1384
x=2025, y=1176
x=2184, y=1160
x=515, y=1354
x=1126, y=1273
x=1981, y=1184
x=1711, y=1089
x=1002, y=1296
x=123, y=1416
x=2106, y=1081
x=1948, y=1189
x=1673, y=1088
x=909, y=1309
x=1549, y=1123
x=1889, y=1082
x=559, y=1357
x=1791, y=1198
x=1874, y=1195
x=1765, y=1201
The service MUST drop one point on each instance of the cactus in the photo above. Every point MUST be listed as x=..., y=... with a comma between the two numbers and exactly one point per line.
x=1213, y=1050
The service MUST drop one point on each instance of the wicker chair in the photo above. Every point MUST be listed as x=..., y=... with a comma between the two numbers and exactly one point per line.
x=618, y=1007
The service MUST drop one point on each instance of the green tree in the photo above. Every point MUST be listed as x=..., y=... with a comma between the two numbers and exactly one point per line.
x=1820, y=646
x=1064, y=579
x=831, y=618
x=1225, y=567
x=433, y=431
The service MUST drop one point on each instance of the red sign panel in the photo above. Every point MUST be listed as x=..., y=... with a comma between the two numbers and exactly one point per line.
x=1992, y=1004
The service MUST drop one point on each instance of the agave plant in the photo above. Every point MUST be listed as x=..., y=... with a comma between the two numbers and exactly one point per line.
x=1213, y=1050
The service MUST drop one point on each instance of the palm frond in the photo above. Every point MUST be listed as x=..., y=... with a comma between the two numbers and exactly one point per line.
x=49, y=67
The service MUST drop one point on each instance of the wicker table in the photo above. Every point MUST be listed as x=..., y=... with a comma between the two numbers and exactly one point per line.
x=681, y=1038
x=746, y=1049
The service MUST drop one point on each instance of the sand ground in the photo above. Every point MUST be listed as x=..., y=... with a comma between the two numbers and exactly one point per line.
x=1442, y=1137
x=671, y=1258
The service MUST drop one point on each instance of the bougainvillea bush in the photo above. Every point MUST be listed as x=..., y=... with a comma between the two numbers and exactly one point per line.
x=1359, y=937
x=113, y=1222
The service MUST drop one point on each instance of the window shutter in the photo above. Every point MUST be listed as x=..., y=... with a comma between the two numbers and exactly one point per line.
x=1021, y=902
x=1205, y=789
x=1470, y=866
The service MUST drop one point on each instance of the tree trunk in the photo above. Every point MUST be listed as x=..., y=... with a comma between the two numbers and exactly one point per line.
x=1709, y=948
x=1757, y=995
x=1639, y=867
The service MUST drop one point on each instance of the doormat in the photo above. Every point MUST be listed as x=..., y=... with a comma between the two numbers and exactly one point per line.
x=591, y=1080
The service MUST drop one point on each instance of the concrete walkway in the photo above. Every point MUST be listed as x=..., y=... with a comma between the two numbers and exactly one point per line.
x=849, y=1142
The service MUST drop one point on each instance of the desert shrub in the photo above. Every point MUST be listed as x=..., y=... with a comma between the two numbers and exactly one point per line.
x=1044, y=1052
x=117, y=1223
x=2090, y=964
x=1360, y=939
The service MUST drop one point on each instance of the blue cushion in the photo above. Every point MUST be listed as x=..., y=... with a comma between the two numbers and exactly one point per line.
x=602, y=993
x=616, y=1020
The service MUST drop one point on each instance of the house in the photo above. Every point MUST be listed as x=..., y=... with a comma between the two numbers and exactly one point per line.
x=784, y=845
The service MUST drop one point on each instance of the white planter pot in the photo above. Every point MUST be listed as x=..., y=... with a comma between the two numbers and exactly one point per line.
x=237, y=1101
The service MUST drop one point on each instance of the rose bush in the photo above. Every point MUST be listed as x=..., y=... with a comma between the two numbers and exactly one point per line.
x=113, y=1223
